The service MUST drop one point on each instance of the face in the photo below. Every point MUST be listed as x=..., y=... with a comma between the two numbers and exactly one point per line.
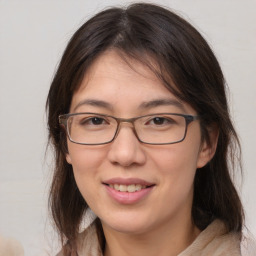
x=164, y=174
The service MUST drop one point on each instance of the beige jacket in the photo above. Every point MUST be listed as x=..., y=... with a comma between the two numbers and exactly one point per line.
x=213, y=241
x=10, y=247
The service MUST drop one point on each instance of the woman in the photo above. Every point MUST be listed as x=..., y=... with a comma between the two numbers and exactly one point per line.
x=139, y=122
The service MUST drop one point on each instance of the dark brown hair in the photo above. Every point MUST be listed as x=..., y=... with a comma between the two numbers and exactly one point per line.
x=145, y=32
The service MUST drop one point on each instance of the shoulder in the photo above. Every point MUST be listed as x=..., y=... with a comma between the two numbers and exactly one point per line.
x=248, y=244
x=87, y=243
x=10, y=246
x=215, y=241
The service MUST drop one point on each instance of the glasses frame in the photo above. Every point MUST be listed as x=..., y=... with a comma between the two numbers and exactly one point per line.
x=64, y=118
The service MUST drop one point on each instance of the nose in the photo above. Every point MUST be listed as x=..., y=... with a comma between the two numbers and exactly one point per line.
x=126, y=150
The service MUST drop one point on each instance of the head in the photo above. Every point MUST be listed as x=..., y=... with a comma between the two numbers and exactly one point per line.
x=169, y=48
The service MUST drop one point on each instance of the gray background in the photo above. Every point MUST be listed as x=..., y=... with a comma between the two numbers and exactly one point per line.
x=33, y=35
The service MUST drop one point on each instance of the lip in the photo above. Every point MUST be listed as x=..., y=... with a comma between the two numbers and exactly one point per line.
x=127, y=181
x=128, y=197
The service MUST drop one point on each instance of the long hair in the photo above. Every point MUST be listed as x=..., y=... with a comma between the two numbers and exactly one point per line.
x=186, y=66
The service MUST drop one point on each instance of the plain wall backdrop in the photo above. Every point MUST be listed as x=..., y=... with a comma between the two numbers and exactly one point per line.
x=33, y=35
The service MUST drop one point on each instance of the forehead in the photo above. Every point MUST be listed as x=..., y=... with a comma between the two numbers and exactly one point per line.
x=114, y=65
x=120, y=82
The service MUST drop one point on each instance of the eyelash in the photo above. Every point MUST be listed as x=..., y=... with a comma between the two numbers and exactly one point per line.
x=90, y=120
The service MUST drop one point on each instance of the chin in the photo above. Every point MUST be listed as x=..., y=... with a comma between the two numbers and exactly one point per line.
x=128, y=224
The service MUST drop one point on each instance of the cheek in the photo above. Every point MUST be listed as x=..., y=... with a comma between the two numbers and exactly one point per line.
x=85, y=163
x=84, y=159
x=176, y=166
x=177, y=170
x=176, y=160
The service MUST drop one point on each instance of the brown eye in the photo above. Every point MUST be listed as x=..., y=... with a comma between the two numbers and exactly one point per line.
x=93, y=121
x=97, y=120
x=159, y=120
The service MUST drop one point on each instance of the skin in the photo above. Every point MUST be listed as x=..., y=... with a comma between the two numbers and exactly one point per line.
x=161, y=223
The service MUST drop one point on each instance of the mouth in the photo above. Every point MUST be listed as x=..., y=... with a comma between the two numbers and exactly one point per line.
x=128, y=190
x=128, y=185
x=131, y=188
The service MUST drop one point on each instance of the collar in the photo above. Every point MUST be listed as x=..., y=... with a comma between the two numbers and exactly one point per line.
x=214, y=241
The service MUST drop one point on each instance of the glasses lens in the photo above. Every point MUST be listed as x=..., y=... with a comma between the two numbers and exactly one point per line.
x=91, y=128
x=161, y=129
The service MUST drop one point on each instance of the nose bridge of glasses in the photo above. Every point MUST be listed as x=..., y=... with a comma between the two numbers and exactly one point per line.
x=126, y=120
x=129, y=122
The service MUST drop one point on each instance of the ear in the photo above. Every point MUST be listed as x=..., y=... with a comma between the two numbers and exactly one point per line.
x=68, y=158
x=208, y=148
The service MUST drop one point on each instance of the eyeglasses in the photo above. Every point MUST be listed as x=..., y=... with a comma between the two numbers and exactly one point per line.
x=97, y=129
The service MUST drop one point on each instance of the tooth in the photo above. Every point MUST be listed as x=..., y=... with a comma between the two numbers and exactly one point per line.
x=138, y=187
x=127, y=188
x=123, y=188
x=131, y=188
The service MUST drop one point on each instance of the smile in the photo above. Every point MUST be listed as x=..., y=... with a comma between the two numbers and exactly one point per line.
x=127, y=188
x=128, y=191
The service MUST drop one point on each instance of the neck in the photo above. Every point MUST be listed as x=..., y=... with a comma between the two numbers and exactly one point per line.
x=168, y=239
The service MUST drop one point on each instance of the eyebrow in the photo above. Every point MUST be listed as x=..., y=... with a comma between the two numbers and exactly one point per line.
x=162, y=102
x=144, y=105
x=94, y=102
